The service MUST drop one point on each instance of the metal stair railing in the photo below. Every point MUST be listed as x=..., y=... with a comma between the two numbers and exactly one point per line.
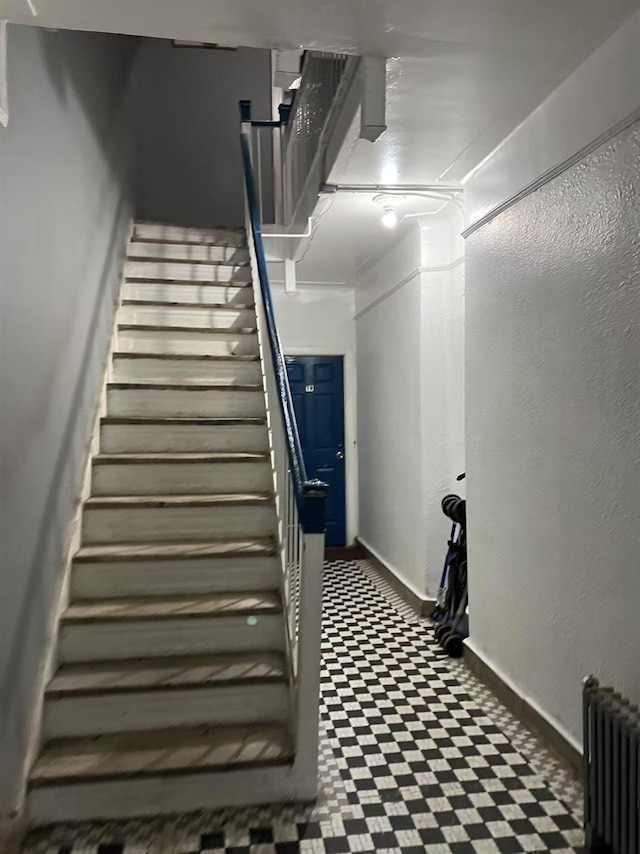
x=300, y=501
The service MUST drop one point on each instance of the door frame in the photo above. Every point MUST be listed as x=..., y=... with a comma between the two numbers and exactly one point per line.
x=350, y=450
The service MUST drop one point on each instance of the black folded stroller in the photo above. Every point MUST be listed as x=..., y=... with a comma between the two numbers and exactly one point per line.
x=453, y=596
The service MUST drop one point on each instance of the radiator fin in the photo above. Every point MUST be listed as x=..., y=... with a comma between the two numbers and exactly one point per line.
x=611, y=728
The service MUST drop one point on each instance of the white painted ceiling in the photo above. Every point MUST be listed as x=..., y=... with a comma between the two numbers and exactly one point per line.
x=461, y=75
x=347, y=231
x=416, y=28
x=449, y=104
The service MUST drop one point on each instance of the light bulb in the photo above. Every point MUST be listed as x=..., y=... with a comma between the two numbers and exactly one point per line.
x=389, y=218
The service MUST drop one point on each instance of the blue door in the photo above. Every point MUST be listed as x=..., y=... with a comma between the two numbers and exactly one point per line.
x=317, y=386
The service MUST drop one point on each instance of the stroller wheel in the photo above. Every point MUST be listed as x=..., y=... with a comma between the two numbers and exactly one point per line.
x=457, y=511
x=453, y=645
x=440, y=632
x=443, y=637
x=448, y=503
x=444, y=501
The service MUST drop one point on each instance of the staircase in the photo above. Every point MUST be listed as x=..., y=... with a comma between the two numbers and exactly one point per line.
x=173, y=685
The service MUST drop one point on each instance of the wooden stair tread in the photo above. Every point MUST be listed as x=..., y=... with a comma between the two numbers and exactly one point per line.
x=184, y=357
x=172, y=607
x=154, y=674
x=172, y=233
x=159, y=327
x=208, y=306
x=192, y=385
x=170, y=551
x=166, y=279
x=109, y=502
x=217, y=457
x=213, y=421
x=222, y=242
x=199, y=229
x=159, y=259
x=160, y=752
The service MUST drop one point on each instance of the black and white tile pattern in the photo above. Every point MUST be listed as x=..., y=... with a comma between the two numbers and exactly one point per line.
x=415, y=755
x=559, y=776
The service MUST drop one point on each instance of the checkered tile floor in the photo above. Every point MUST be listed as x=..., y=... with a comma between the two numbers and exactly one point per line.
x=415, y=756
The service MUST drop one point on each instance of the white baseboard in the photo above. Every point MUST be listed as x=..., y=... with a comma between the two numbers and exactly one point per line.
x=534, y=713
x=421, y=603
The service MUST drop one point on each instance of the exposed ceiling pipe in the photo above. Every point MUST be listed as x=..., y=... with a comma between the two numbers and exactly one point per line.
x=401, y=189
x=444, y=193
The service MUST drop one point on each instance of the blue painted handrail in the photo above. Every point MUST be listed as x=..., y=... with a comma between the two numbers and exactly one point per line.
x=310, y=494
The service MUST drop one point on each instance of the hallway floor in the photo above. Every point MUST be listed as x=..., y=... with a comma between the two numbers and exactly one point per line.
x=415, y=754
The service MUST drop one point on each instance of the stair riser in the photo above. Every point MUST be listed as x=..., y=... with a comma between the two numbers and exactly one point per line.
x=191, y=577
x=186, y=252
x=202, y=343
x=180, y=478
x=230, y=373
x=170, y=315
x=165, y=795
x=196, y=403
x=176, y=524
x=124, y=639
x=112, y=713
x=197, y=294
x=184, y=272
x=204, y=236
x=181, y=438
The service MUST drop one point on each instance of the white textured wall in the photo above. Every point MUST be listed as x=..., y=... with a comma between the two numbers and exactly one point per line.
x=318, y=320
x=553, y=422
x=189, y=168
x=64, y=216
x=389, y=436
x=601, y=92
x=409, y=332
x=442, y=382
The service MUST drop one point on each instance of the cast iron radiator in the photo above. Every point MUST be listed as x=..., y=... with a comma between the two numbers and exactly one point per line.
x=611, y=768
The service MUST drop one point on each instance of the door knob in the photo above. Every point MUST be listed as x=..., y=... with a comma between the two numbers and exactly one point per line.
x=340, y=455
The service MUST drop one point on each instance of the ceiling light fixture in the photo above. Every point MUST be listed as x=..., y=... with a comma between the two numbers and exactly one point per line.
x=388, y=204
x=389, y=218
x=394, y=199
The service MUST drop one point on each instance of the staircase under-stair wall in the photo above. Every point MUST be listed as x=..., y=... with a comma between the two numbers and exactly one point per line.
x=178, y=685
